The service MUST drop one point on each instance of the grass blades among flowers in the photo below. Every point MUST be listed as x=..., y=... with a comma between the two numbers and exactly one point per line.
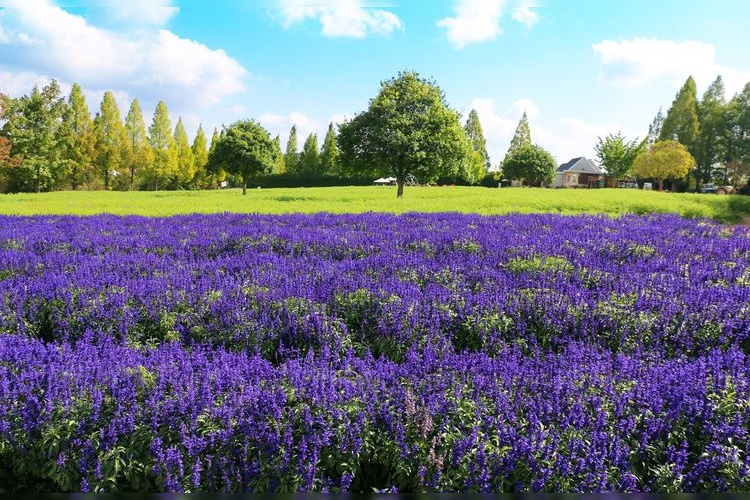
x=374, y=352
x=380, y=199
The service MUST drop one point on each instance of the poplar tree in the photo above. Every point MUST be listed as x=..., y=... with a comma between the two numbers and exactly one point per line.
x=711, y=142
x=475, y=135
x=291, y=158
x=139, y=150
x=200, y=156
x=310, y=158
x=164, y=165
x=329, y=155
x=682, y=123
x=279, y=166
x=78, y=138
x=185, y=173
x=522, y=136
x=216, y=174
x=111, y=142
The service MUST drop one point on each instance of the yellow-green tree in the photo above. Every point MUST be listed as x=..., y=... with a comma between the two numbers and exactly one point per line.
x=111, y=142
x=664, y=160
x=185, y=174
x=163, y=168
x=200, y=156
x=79, y=141
x=139, y=155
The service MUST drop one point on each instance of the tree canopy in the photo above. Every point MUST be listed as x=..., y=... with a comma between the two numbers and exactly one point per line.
x=408, y=129
x=244, y=148
x=530, y=162
x=682, y=123
x=617, y=155
x=664, y=160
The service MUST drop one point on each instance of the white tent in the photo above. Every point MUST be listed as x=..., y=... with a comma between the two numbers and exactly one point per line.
x=385, y=181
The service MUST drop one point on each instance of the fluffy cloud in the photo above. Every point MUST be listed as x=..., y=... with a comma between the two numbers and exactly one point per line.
x=478, y=21
x=40, y=37
x=341, y=18
x=641, y=61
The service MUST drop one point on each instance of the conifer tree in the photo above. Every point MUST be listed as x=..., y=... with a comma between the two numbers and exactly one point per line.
x=291, y=157
x=185, y=173
x=329, y=155
x=139, y=150
x=279, y=166
x=164, y=166
x=682, y=123
x=522, y=136
x=200, y=156
x=654, y=130
x=475, y=135
x=111, y=142
x=711, y=142
x=215, y=172
x=310, y=158
x=78, y=138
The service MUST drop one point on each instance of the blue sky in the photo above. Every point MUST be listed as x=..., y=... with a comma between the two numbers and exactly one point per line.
x=579, y=68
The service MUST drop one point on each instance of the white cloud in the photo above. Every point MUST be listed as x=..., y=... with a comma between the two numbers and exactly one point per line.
x=525, y=13
x=641, y=61
x=341, y=18
x=281, y=125
x=41, y=37
x=475, y=21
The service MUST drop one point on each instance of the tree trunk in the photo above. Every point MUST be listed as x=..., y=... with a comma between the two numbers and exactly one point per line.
x=400, y=183
x=660, y=182
x=244, y=185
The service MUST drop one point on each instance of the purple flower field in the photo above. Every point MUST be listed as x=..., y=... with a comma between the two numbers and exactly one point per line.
x=438, y=352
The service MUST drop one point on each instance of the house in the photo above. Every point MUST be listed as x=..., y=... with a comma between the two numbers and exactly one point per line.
x=577, y=173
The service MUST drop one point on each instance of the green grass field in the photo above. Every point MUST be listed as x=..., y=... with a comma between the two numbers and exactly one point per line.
x=730, y=209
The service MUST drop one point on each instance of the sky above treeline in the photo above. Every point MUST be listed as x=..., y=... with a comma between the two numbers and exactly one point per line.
x=580, y=69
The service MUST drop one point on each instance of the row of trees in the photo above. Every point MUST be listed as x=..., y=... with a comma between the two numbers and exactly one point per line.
x=48, y=142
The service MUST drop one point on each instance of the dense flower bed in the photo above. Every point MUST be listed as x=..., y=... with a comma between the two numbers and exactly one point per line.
x=437, y=352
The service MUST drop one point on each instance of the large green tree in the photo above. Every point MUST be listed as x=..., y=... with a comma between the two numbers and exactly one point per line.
x=185, y=173
x=521, y=137
x=329, y=155
x=475, y=135
x=738, y=127
x=291, y=157
x=667, y=159
x=33, y=127
x=310, y=157
x=139, y=156
x=111, y=141
x=617, y=155
x=682, y=123
x=78, y=138
x=408, y=129
x=710, y=146
x=531, y=163
x=245, y=149
x=163, y=168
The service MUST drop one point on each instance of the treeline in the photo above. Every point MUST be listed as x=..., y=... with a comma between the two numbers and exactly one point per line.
x=50, y=142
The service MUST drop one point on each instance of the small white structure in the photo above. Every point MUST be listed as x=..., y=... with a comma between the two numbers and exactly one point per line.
x=578, y=172
x=385, y=181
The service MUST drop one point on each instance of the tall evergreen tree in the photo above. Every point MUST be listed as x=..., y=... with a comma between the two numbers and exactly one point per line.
x=475, y=135
x=329, y=155
x=711, y=143
x=164, y=165
x=33, y=127
x=78, y=138
x=310, y=157
x=139, y=150
x=111, y=142
x=185, y=173
x=654, y=130
x=200, y=156
x=522, y=136
x=215, y=171
x=738, y=138
x=291, y=157
x=682, y=123
x=279, y=166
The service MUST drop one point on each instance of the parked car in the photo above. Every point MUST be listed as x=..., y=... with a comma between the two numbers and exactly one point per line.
x=710, y=187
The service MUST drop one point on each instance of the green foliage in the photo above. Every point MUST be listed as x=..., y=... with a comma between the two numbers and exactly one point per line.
x=111, y=140
x=711, y=143
x=185, y=173
x=329, y=155
x=664, y=160
x=310, y=158
x=522, y=136
x=200, y=156
x=682, y=123
x=475, y=135
x=738, y=140
x=216, y=174
x=654, y=130
x=77, y=133
x=531, y=163
x=165, y=162
x=279, y=166
x=139, y=154
x=408, y=129
x=245, y=149
x=616, y=155
x=33, y=127
x=291, y=157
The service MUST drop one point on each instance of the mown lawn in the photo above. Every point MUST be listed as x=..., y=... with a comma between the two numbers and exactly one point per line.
x=380, y=199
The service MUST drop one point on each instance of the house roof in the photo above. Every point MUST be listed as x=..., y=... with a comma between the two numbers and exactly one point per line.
x=580, y=165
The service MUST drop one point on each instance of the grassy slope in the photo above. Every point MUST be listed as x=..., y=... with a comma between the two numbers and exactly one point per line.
x=380, y=199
